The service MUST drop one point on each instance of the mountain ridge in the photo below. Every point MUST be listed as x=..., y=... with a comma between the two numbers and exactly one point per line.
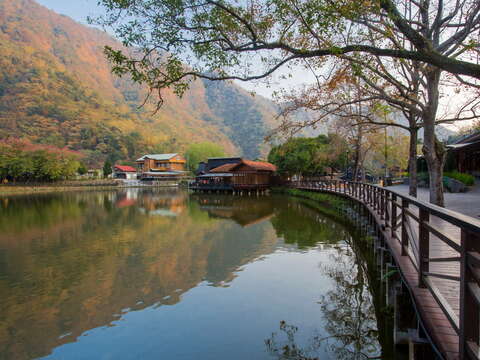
x=56, y=88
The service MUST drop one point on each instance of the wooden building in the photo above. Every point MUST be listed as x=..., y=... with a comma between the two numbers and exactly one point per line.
x=161, y=167
x=466, y=154
x=245, y=175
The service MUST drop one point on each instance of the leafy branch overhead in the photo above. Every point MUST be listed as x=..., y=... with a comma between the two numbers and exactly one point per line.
x=220, y=40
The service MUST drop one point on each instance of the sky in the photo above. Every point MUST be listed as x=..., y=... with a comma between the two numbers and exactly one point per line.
x=76, y=9
x=79, y=10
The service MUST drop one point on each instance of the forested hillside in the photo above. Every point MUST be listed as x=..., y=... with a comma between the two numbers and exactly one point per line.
x=56, y=88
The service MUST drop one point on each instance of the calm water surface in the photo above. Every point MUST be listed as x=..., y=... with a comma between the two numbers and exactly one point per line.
x=142, y=274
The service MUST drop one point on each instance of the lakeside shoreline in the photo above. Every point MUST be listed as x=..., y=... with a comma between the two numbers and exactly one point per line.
x=9, y=190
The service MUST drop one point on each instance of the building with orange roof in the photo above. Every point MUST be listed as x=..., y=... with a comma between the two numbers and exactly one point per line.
x=243, y=175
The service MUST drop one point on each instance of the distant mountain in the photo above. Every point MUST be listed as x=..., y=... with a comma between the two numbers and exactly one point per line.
x=56, y=88
x=442, y=132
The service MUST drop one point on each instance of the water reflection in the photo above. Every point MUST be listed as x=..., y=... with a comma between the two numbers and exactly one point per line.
x=89, y=273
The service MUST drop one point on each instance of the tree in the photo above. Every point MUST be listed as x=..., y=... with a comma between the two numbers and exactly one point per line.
x=82, y=169
x=201, y=152
x=308, y=156
x=107, y=168
x=180, y=41
x=24, y=161
x=388, y=93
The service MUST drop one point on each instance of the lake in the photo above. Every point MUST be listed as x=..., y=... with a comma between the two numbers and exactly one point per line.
x=163, y=274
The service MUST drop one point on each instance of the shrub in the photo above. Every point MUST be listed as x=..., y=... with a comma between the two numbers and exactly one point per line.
x=466, y=179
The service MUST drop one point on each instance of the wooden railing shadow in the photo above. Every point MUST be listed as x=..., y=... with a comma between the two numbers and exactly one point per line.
x=443, y=252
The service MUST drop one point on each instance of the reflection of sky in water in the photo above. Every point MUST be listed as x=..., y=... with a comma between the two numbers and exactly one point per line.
x=225, y=323
x=143, y=274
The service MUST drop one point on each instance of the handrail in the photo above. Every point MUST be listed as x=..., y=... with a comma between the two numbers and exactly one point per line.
x=393, y=216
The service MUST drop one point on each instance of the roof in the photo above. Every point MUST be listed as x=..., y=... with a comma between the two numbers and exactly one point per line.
x=458, y=146
x=470, y=138
x=224, y=168
x=216, y=162
x=257, y=165
x=225, y=158
x=158, y=156
x=125, y=168
x=260, y=165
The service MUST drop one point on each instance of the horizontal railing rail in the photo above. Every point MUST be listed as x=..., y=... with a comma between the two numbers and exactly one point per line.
x=418, y=227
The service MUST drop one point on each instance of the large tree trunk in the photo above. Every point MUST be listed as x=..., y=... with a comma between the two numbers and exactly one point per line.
x=412, y=163
x=432, y=148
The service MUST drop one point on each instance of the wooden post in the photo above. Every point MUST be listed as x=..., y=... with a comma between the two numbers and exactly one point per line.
x=423, y=246
x=382, y=203
x=393, y=220
x=469, y=308
x=385, y=205
x=404, y=227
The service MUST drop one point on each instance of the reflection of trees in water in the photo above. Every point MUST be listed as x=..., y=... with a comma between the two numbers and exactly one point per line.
x=294, y=223
x=348, y=309
x=88, y=259
x=288, y=349
x=355, y=327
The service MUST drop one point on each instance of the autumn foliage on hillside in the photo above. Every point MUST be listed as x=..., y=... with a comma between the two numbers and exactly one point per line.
x=56, y=88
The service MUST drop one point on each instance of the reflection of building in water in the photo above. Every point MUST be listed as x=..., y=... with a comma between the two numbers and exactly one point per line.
x=244, y=211
x=167, y=203
x=126, y=198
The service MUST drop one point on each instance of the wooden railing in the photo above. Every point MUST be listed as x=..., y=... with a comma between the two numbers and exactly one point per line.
x=419, y=227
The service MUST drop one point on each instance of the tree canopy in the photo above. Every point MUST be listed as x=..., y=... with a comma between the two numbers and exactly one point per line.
x=229, y=39
x=309, y=156
x=24, y=161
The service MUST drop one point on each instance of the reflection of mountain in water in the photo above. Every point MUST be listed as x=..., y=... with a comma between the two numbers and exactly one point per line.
x=76, y=261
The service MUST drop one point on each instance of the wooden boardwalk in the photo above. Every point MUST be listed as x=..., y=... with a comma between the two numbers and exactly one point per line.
x=438, y=254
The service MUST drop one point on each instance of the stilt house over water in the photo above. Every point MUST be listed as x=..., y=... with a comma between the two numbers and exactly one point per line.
x=236, y=175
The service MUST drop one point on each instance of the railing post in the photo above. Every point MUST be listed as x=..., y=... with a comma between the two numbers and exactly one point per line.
x=385, y=207
x=404, y=227
x=469, y=308
x=393, y=220
x=382, y=203
x=423, y=245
